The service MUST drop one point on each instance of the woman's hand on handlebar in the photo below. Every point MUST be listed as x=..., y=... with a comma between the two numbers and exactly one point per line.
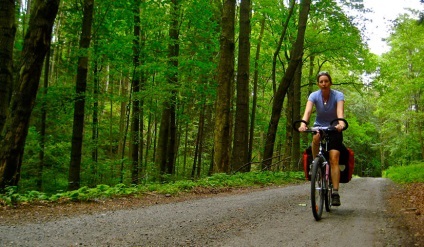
x=342, y=124
x=302, y=127
x=340, y=127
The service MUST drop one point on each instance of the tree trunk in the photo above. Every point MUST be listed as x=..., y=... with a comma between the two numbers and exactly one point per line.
x=255, y=90
x=172, y=136
x=112, y=144
x=287, y=147
x=296, y=155
x=201, y=138
x=162, y=145
x=124, y=139
x=197, y=161
x=42, y=130
x=15, y=130
x=143, y=80
x=123, y=125
x=196, y=153
x=295, y=60
x=240, y=156
x=81, y=85
x=135, y=120
x=148, y=138
x=174, y=50
x=222, y=138
x=291, y=149
x=7, y=38
x=165, y=157
x=95, y=117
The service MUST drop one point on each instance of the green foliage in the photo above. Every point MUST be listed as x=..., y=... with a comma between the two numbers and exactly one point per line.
x=399, y=84
x=102, y=191
x=383, y=129
x=10, y=196
x=413, y=173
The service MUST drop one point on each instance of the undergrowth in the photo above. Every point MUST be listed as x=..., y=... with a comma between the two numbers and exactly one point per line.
x=219, y=180
x=413, y=173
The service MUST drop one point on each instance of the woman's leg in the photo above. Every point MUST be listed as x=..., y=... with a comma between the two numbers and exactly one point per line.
x=315, y=145
x=335, y=170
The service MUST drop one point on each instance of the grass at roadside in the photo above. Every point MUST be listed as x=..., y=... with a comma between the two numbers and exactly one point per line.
x=413, y=173
x=216, y=181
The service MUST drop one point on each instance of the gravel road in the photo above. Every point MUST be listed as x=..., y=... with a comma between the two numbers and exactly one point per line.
x=270, y=217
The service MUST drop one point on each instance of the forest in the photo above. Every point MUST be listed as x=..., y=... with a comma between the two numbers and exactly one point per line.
x=134, y=91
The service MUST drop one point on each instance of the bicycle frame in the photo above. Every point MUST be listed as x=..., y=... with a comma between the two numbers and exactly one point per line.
x=325, y=163
x=321, y=185
x=326, y=166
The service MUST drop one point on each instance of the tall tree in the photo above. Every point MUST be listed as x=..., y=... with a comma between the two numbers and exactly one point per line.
x=95, y=114
x=197, y=160
x=135, y=120
x=291, y=156
x=255, y=89
x=296, y=115
x=222, y=138
x=42, y=127
x=240, y=155
x=15, y=130
x=79, y=105
x=165, y=157
x=143, y=82
x=7, y=38
x=295, y=60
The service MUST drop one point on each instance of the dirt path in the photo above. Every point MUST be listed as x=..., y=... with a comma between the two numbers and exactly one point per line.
x=271, y=217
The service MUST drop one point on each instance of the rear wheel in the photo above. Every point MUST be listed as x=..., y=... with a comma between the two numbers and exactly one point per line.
x=317, y=192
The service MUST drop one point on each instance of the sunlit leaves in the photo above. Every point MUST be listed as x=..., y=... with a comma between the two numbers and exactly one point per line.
x=400, y=103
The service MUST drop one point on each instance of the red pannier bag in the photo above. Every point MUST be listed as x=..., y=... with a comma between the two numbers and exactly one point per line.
x=347, y=165
x=307, y=161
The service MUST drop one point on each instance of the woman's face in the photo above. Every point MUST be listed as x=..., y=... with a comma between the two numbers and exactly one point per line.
x=324, y=82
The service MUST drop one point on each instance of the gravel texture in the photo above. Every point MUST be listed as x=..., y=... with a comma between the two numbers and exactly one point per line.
x=374, y=212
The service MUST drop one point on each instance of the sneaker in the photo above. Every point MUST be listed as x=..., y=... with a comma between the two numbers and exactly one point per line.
x=335, y=200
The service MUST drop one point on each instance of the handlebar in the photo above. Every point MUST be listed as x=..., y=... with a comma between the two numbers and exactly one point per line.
x=320, y=128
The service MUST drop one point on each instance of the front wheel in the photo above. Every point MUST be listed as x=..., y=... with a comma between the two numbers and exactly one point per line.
x=317, y=190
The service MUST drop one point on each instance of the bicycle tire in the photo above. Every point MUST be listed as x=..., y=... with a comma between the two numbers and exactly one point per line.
x=317, y=192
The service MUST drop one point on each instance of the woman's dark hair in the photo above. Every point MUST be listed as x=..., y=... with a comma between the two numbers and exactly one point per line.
x=326, y=74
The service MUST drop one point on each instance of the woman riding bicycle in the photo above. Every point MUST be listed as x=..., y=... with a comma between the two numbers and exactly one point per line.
x=329, y=105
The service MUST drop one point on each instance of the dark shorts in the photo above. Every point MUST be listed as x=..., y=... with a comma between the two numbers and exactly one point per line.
x=336, y=141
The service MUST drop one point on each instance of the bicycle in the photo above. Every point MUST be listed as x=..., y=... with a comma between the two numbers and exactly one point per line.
x=321, y=185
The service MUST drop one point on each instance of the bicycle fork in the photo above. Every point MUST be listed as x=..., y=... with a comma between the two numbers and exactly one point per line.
x=327, y=184
x=327, y=170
